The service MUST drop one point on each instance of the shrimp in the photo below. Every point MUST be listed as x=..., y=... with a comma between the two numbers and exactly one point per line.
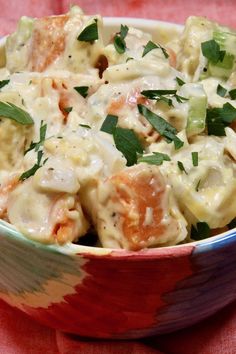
x=48, y=41
x=135, y=211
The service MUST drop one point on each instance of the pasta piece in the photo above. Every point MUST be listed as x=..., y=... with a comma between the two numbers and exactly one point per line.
x=134, y=210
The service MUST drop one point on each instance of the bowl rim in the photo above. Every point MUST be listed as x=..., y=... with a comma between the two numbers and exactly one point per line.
x=76, y=249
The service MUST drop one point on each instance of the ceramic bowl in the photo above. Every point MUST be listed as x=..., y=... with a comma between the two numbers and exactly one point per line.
x=104, y=293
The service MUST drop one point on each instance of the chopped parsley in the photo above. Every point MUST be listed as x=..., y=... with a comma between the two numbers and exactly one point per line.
x=221, y=91
x=67, y=109
x=85, y=126
x=180, y=99
x=82, y=90
x=9, y=110
x=195, y=158
x=198, y=185
x=42, y=136
x=165, y=100
x=159, y=95
x=150, y=46
x=232, y=94
x=211, y=51
x=126, y=140
x=128, y=144
x=4, y=83
x=180, y=82
x=154, y=94
x=227, y=113
x=164, y=128
x=33, y=169
x=157, y=158
x=200, y=231
x=215, y=125
x=181, y=167
x=123, y=31
x=89, y=33
x=109, y=124
x=119, y=39
x=218, y=118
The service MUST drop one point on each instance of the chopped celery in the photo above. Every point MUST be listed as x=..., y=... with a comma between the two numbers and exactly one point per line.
x=227, y=41
x=196, y=115
x=222, y=68
x=197, y=108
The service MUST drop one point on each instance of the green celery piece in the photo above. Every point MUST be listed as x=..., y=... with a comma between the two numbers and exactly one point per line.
x=222, y=69
x=196, y=115
x=226, y=39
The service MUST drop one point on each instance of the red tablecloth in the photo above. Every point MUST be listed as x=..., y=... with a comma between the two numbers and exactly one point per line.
x=18, y=333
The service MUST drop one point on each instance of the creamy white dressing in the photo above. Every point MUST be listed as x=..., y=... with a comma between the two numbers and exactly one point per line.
x=82, y=181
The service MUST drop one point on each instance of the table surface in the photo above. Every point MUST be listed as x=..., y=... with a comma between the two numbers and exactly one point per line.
x=18, y=333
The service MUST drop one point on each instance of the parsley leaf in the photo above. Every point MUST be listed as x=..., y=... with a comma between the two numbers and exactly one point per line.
x=67, y=109
x=150, y=46
x=124, y=31
x=195, y=158
x=211, y=51
x=180, y=99
x=221, y=91
x=215, y=125
x=9, y=110
x=159, y=95
x=181, y=167
x=154, y=94
x=82, y=90
x=218, y=118
x=201, y=231
x=127, y=142
x=89, y=33
x=198, y=185
x=109, y=124
x=164, y=128
x=85, y=126
x=42, y=136
x=156, y=159
x=119, y=39
x=180, y=82
x=227, y=113
x=33, y=169
x=232, y=94
x=119, y=44
x=166, y=100
x=4, y=83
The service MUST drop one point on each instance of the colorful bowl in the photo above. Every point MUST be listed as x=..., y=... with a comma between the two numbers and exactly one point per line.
x=104, y=293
